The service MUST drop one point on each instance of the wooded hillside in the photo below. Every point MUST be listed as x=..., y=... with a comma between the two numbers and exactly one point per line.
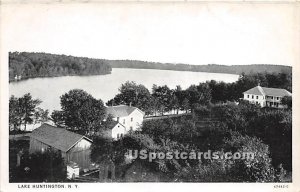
x=213, y=68
x=30, y=65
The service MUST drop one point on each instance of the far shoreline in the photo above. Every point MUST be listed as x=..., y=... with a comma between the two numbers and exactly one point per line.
x=134, y=68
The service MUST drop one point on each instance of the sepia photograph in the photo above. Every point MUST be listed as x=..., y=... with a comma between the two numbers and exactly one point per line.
x=148, y=93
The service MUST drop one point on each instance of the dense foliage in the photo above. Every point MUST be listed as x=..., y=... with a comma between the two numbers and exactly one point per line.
x=24, y=110
x=40, y=167
x=266, y=134
x=163, y=99
x=30, y=65
x=213, y=68
x=272, y=126
x=132, y=94
x=258, y=169
x=228, y=127
x=81, y=112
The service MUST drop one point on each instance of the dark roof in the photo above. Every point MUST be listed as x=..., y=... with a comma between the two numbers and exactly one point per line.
x=58, y=138
x=121, y=110
x=112, y=124
x=254, y=91
x=258, y=90
x=276, y=92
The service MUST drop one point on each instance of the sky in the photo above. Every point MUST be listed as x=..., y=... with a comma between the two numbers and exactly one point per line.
x=191, y=33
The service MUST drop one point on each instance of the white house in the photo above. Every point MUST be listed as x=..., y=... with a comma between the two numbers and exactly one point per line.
x=115, y=130
x=127, y=118
x=266, y=97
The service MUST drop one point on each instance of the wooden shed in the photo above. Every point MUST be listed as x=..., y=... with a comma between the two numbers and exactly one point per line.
x=73, y=147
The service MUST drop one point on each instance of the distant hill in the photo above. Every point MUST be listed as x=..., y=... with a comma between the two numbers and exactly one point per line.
x=213, y=68
x=24, y=65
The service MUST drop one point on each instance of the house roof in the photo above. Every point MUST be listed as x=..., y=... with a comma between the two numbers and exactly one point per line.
x=58, y=138
x=121, y=110
x=258, y=90
x=112, y=124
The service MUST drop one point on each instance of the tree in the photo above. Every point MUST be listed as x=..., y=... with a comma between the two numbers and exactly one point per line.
x=28, y=106
x=105, y=151
x=155, y=106
x=232, y=115
x=186, y=105
x=81, y=111
x=102, y=150
x=58, y=118
x=14, y=113
x=41, y=115
x=200, y=94
x=177, y=97
x=164, y=97
x=133, y=94
x=274, y=127
x=22, y=110
x=287, y=100
x=174, y=103
x=255, y=169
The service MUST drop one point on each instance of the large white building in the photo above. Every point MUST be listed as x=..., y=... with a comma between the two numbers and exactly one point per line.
x=266, y=97
x=127, y=118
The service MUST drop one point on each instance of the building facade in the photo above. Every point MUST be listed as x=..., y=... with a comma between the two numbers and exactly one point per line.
x=127, y=119
x=73, y=147
x=266, y=97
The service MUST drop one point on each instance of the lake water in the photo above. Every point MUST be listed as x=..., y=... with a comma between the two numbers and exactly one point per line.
x=105, y=87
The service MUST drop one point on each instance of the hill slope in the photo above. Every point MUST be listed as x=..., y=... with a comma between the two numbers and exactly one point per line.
x=30, y=65
x=213, y=68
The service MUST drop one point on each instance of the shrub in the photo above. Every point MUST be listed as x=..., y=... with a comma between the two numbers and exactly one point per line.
x=40, y=167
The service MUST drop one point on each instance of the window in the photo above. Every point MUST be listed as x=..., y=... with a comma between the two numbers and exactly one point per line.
x=118, y=118
x=256, y=97
x=131, y=119
x=277, y=98
x=124, y=121
x=248, y=96
x=130, y=128
x=256, y=102
x=252, y=96
x=118, y=136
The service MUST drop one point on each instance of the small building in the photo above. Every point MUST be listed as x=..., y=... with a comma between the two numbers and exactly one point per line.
x=72, y=170
x=131, y=118
x=266, y=97
x=73, y=147
x=114, y=130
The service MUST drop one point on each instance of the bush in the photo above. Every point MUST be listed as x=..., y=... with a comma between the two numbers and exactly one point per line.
x=256, y=169
x=40, y=167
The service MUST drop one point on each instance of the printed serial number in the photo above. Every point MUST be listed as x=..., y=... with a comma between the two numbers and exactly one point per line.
x=281, y=186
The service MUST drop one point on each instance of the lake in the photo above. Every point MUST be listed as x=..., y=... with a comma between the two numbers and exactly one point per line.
x=105, y=87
